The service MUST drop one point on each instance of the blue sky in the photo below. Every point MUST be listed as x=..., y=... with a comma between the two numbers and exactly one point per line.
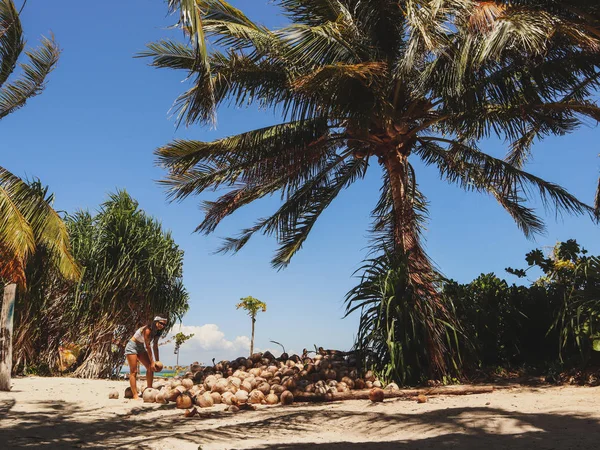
x=103, y=113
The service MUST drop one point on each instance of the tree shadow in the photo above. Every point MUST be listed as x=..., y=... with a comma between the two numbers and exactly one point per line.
x=61, y=425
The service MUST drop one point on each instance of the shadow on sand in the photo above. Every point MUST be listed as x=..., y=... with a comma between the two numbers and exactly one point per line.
x=61, y=425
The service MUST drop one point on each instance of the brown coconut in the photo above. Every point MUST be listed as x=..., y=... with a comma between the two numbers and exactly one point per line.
x=287, y=398
x=149, y=395
x=289, y=383
x=246, y=386
x=226, y=398
x=272, y=399
x=369, y=376
x=359, y=383
x=158, y=366
x=277, y=388
x=265, y=388
x=205, y=400
x=421, y=399
x=220, y=386
x=128, y=393
x=256, y=396
x=376, y=395
x=349, y=382
x=187, y=383
x=172, y=395
x=209, y=382
x=184, y=401
x=216, y=398
x=114, y=394
x=241, y=396
x=161, y=397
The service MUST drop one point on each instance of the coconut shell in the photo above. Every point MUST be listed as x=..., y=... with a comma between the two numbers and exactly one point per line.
x=376, y=395
x=128, y=393
x=265, y=388
x=241, y=396
x=220, y=386
x=235, y=381
x=286, y=398
x=184, y=401
x=377, y=384
x=187, y=383
x=246, y=386
x=226, y=398
x=172, y=395
x=277, y=389
x=216, y=398
x=392, y=387
x=359, y=383
x=209, y=382
x=205, y=400
x=255, y=372
x=272, y=399
x=158, y=366
x=161, y=397
x=149, y=395
x=349, y=382
x=289, y=383
x=114, y=394
x=256, y=396
x=369, y=376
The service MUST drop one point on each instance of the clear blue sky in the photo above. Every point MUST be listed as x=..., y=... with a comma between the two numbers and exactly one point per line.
x=103, y=113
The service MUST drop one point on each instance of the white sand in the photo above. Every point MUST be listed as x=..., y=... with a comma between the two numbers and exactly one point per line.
x=43, y=413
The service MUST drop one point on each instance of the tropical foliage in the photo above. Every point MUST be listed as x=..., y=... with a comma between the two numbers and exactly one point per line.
x=132, y=271
x=27, y=221
x=553, y=319
x=379, y=83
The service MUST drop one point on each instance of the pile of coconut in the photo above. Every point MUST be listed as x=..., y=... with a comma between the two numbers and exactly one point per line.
x=264, y=379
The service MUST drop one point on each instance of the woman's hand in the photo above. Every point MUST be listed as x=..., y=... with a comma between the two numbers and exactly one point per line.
x=153, y=366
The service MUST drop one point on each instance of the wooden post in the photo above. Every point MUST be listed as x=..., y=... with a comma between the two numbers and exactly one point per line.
x=6, y=328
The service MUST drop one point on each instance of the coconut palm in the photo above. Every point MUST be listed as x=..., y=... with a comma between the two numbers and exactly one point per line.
x=26, y=219
x=252, y=306
x=378, y=83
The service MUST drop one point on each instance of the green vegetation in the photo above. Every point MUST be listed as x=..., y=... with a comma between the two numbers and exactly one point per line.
x=376, y=85
x=28, y=224
x=132, y=270
x=252, y=306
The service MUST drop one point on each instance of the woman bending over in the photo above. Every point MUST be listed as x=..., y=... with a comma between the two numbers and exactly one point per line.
x=138, y=349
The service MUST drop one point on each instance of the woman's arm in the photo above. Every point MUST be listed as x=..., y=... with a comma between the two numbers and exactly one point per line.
x=156, y=357
x=148, y=349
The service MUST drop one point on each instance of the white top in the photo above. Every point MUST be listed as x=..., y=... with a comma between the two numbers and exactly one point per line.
x=139, y=335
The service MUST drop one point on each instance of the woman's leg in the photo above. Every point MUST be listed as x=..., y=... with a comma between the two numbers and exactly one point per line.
x=145, y=360
x=133, y=362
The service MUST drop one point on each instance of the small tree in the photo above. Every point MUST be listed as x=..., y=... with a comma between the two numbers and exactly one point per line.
x=180, y=338
x=253, y=306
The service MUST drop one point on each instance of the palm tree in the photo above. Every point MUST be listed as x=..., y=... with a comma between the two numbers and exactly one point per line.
x=26, y=219
x=253, y=306
x=385, y=82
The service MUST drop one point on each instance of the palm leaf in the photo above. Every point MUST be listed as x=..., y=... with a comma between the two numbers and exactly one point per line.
x=32, y=81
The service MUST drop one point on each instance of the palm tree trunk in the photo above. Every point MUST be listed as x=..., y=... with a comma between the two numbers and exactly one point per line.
x=408, y=243
x=6, y=328
x=252, y=340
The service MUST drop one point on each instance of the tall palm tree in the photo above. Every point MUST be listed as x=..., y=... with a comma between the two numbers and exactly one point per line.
x=26, y=219
x=252, y=306
x=384, y=82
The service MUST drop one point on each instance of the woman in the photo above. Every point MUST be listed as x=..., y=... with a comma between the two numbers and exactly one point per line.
x=138, y=348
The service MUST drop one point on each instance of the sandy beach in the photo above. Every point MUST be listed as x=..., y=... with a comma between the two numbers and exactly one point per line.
x=72, y=413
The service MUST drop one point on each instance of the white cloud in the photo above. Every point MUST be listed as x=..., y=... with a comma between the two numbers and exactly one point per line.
x=208, y=342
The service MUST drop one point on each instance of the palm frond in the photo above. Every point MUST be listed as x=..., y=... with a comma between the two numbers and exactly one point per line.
x=32, y=81
x=11, y=39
